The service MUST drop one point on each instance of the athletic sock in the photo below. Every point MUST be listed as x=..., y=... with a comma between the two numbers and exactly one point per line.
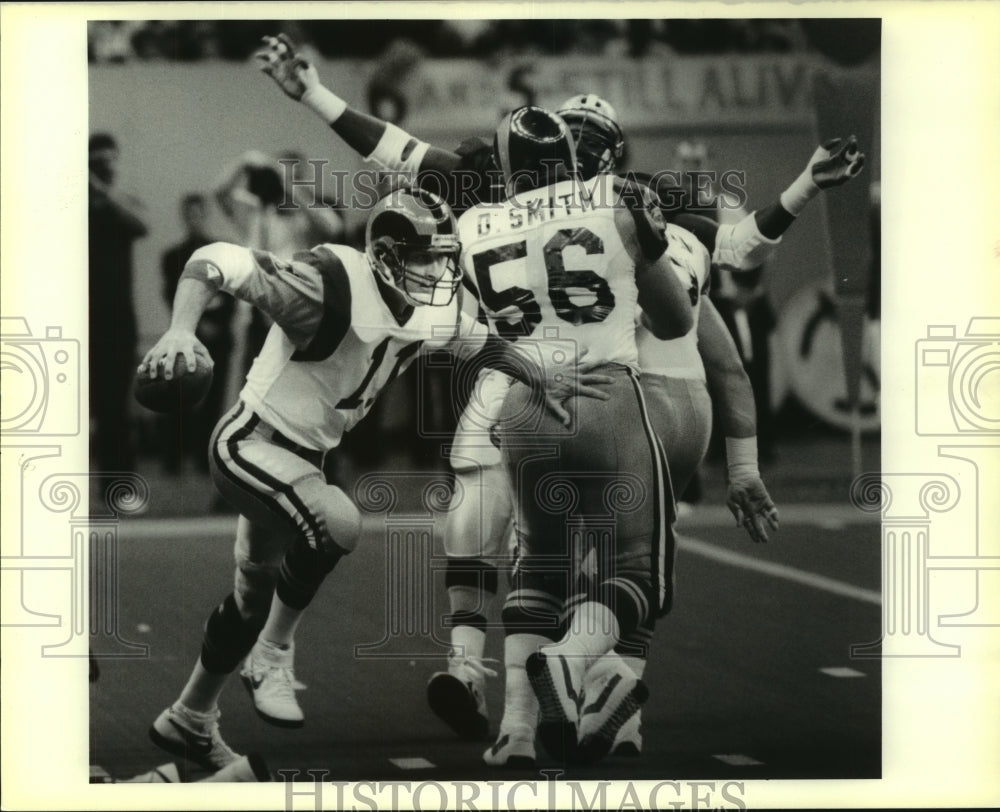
x=282, y=621
x=593, y=631
x=468, y=641
x=520, y=703
x=202, y=691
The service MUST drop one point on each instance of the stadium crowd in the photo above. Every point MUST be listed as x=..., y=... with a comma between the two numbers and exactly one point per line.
x=123, y=41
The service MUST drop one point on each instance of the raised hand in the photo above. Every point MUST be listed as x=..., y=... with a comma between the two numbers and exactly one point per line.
x=293, y=73
x=836, y=162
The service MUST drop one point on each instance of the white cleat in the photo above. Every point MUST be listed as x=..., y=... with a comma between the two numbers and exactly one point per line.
x=613, y=695
x=250, y=768
x=556, y=687
x=513, y=749
x=458, y=696
x=194, y=736
x=164, y=774
x=628, y=742
x=269, y=677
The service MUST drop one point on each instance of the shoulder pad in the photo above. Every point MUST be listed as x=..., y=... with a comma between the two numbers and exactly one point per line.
x=642, y=204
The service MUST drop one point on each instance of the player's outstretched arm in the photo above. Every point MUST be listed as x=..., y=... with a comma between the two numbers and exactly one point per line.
x=834, y=163
x=747, y=244
x=372, y=138
x=732, y=396
x=666, y=306
x=292, y=295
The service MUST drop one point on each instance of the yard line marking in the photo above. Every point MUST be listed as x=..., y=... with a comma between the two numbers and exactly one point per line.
x=412, y=763
x=798, y=576
x=816, y=514
x=193, y=527
x=187, y=527
x=842, y=672
x=738, y=760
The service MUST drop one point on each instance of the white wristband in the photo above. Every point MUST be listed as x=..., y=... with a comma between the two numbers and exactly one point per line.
x=802, y=190
x=741, y=458
x=324, y=103
x=398, y=151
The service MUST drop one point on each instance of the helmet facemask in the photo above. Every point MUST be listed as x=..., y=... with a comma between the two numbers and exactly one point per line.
x=425, y=271
x=412, y=245
x=599, y=141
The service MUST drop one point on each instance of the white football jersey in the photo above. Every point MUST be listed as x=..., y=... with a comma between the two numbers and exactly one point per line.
x=335, y=344
x=549, y=265
x=679, y=357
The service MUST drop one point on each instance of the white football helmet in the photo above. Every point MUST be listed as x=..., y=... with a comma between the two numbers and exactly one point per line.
x=596, y=132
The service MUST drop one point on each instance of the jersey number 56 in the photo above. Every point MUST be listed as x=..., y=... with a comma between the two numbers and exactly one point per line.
x=562, y=283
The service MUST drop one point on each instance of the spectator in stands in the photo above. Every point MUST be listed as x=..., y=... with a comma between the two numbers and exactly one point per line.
x=111, y=40
x=122, y=41
x=116, y=221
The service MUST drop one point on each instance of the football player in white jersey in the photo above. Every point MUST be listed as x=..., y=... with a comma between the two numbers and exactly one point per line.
x=346, y=323
x=592, y=498
x=478, y=528
x=676, y=388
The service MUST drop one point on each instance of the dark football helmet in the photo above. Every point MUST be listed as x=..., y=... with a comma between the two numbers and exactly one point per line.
x=412, y=244
x=596, y=132
x=533, y=148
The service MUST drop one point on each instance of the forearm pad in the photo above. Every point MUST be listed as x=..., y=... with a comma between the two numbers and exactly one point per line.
x=399, y=151
x=741, y=247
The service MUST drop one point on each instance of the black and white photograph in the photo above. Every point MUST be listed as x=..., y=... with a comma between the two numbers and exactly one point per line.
x=466, y=406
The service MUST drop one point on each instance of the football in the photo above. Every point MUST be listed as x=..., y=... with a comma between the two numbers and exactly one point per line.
x=181, y=393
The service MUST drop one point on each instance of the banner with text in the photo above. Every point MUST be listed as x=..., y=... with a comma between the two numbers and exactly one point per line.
x=766, y=91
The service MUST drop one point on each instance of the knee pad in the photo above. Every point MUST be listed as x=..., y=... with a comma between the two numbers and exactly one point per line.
x=336, y=516
x=473, y=573
x=532, y=612
x=471, y=583
x=549, y=575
